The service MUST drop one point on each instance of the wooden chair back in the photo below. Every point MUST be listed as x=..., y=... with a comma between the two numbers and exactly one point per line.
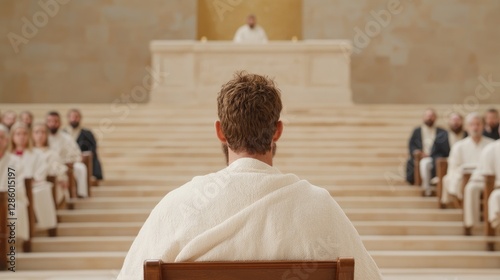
x=340, y=269
x=488, y=189
x=87, y=160
x=71, y=181
x=417, y=178
x=441, y=170
x=28, y=184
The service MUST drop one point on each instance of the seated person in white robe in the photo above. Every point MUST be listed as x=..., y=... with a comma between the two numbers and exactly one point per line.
x=464, y=157
x=26, y=117
x=68, y=150
x=488, y=165
x=250, y=32
x=456, y=130
x=36, y=168
x=248, y=210
x=56, y=166
x=8, y=160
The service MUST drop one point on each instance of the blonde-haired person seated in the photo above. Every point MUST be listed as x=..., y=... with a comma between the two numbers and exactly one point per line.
x=9, y=162
x=34, y=167
x=67, y=148
x=248, y=210
x=57, y=168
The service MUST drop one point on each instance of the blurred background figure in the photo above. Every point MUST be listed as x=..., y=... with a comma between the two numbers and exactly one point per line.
x=9, y=118
x=27, y=118
x=456, y=130
x=85, y=140
x=250, y=32
x=491, y=126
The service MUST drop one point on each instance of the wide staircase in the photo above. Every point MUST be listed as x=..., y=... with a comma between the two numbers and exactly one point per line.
x=358, y=153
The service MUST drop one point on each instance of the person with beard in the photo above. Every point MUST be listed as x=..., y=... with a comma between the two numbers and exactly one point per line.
x=9, y=119
x=432, y=142
x=456, y=130
x=464, y=155
x=250, y=32
x=248, y=210
x=27, y=118
x=492, y=127
x=68, y=150
x=85, y=140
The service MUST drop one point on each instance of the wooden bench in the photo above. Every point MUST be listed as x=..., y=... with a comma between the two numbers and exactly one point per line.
x=341, y=269
x=28, y=182
x=488, y=229
x=441, y=171
x=87, y=160
x=417, y=157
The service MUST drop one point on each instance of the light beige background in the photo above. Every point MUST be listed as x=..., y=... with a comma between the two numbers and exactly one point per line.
x=98, y=50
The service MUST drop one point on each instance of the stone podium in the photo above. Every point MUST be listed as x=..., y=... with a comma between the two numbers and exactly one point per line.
x=307, y=72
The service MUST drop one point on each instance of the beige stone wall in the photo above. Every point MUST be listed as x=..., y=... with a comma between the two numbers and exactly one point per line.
x=427, y=52
x=85, y=50
x=98, y=50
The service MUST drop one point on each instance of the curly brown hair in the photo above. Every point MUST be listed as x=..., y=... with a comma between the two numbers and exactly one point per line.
x=249, y=108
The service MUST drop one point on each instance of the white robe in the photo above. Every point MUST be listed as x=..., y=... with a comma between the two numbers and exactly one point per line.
x=247, y=211
x=65, y=146
x=56, y=168
x=245, y=34
x=68, y=150
x=21, y=203
x=35, y=167
x=464, y=155
x=489, y=164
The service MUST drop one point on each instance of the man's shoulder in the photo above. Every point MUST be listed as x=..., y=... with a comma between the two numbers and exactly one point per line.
x=417, y=130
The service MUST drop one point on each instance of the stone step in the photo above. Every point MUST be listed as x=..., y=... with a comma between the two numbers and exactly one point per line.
x=384, y=259
x=436, y=259
x=140, y=215
x=372, y=243
x=345, y=191
x=133, y=179
x=428, y=243
x=344, y=202
x=70, y=260
x=363, y=227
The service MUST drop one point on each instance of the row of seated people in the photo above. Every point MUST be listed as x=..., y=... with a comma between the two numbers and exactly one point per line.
x=68, y=142
x=51, y=163
x=462, y=167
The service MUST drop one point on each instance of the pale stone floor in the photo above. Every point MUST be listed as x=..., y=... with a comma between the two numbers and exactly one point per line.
x=389, y=274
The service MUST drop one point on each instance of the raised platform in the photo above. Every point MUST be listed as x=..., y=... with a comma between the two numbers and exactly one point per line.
x=311, y=71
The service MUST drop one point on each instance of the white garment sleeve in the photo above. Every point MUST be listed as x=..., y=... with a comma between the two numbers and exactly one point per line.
x=238, y=36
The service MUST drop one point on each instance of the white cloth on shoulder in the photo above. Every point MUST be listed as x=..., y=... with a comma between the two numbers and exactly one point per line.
x=247, y=211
